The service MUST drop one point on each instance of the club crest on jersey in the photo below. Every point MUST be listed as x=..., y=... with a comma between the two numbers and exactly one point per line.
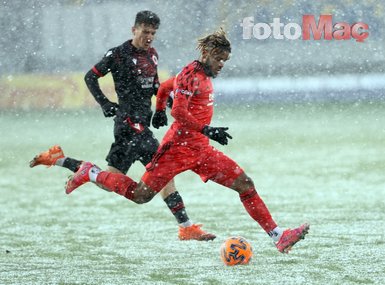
x=155, y=59
x=134, y=60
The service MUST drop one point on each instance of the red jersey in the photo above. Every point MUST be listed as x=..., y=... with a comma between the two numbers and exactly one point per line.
x=192, y=108
x=184, y=147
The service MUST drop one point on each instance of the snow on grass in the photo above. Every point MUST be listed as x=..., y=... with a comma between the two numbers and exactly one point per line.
x=317, y=163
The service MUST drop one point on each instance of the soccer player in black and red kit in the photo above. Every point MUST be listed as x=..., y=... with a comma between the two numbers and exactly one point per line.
x=186, y=147
x=133, y=66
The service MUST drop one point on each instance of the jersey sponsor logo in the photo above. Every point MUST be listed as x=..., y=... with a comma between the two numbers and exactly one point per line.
x=184, y=92
x=146, y=82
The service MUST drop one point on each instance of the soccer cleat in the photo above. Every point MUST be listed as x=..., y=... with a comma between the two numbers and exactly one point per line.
x=80, y=177
x=48, y=157
x=194, y=232
x=291, y=237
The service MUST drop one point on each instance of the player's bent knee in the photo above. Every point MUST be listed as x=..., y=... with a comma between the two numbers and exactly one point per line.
x=248, y=182
x=242, y=183
x=143, y=194
x=142, y=200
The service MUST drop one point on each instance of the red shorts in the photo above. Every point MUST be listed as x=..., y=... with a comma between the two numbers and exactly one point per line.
x=208, y=162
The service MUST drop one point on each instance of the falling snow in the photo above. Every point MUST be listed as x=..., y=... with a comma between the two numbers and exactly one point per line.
x=307, y=120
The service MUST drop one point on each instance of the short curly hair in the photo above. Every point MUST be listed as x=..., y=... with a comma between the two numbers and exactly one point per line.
x=215, y=42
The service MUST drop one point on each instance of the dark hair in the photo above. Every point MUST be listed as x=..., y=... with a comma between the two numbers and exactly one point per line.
x=147, y=18
x=215, y=42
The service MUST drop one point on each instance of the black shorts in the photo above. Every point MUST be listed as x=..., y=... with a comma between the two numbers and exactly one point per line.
x=130, y=146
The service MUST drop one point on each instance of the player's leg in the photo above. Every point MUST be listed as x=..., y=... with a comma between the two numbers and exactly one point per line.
x=121, y=146
x=223, y=170
x=169, y=194
x=119, y=183
x=158, y=176
x=125, y=149
x=175, y=203
x=55, y=156
x=254, y=205
x=252, y=202
x=187, y=229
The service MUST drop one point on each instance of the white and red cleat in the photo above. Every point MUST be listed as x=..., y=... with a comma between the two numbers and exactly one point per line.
x=80, y=177
x=291, y=237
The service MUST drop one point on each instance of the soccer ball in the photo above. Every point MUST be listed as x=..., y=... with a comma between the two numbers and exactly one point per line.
x=235, y=251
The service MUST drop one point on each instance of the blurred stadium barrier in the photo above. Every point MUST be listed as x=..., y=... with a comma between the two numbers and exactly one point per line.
x=54, y=40
x=344, y=87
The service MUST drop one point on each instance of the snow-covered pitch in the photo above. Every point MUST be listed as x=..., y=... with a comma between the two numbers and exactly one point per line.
x=320, y=163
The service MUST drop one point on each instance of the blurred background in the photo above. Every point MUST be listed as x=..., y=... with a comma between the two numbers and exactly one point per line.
x=47, y=45
x=308, y=127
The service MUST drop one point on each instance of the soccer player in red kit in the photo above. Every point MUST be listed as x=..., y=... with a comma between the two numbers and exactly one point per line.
x=134, y=69
x=186, y=146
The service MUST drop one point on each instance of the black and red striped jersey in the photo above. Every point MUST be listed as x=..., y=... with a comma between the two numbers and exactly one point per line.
x=135, y=77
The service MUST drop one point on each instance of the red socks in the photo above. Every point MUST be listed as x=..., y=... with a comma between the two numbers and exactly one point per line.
x=118, y=183
x=257, y=209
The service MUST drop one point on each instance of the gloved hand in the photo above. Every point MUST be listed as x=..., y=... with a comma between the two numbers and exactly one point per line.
x=159, y=119
x=109, y=109
x=217, y=134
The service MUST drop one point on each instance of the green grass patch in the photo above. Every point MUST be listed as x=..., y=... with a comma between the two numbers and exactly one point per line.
x=318, y=163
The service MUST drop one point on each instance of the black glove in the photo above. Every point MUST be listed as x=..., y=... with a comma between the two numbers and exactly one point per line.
x=217, y=134
x=159, y=119
x=109, y=109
